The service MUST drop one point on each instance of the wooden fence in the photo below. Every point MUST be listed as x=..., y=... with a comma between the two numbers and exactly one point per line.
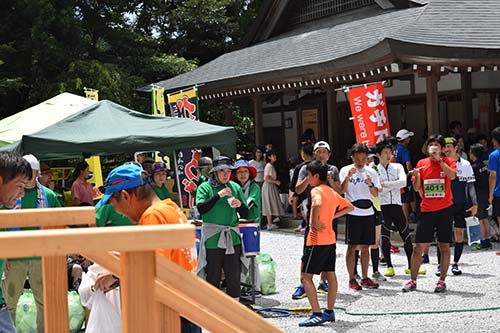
x=155, y=292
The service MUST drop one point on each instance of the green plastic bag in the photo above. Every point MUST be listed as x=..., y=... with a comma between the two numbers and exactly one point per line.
x=267, y=272
x=26, y=313
x=76, y=312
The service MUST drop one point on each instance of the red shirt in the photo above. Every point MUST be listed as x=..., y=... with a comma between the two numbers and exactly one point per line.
x=436, y=186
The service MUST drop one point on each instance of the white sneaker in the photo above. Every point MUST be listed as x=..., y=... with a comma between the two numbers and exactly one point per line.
x=277, y=219
x=272, y=227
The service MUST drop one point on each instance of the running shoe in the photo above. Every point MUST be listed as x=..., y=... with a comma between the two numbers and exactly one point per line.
x=497, y=253
x=390, y=271
x=475, y=246
x=421, y=271
x=313, y=320
x=369, y=284
x=440, y=287
x=425, y=258
x=438, y=271
x=378, y=277
x=394, y=249
x=353, y=284
x=410, y=286
x=382, y=260
x=323, y=288
x=455, y=270
x=272, y=227
x=328, y=316
x=486, y=244
x=299, y=292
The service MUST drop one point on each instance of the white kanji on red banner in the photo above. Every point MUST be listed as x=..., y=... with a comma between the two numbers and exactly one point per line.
x=369, y=111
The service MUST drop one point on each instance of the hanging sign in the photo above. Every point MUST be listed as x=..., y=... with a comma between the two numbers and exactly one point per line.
x=369, y=113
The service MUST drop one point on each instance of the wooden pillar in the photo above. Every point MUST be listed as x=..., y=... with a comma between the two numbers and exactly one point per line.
x=332, y=119
x=466, y=79
x=55, y=294
x=432, y=103
x=139, y=309
x=258, y=121
x=228, y=114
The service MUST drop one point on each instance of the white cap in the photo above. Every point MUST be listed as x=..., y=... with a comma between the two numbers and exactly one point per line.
x=321, y=144
x=33, y=161
x=404, y=134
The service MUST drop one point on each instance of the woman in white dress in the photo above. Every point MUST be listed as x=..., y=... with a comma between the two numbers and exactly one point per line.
x=271, y=203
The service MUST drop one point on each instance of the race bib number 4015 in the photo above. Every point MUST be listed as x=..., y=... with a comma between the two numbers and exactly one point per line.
x=434, y=188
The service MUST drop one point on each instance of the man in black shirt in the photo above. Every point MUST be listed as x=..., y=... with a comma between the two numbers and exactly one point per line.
x=481, y=174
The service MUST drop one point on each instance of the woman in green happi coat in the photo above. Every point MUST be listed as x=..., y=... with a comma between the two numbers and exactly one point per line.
x=244, y=175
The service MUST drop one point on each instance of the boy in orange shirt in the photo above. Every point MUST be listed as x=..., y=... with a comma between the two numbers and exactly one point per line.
x=129, y=190
x=320, y=250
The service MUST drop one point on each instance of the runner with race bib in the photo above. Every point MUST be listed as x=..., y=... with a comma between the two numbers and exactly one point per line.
x=432, y=179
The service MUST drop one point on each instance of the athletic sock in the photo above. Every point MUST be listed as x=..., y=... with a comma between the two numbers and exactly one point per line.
x=317, y=314
x=329, y=311
x=374, y=253
x=459, y=248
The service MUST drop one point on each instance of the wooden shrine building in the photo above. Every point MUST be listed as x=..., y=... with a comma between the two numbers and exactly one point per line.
x=439, y=58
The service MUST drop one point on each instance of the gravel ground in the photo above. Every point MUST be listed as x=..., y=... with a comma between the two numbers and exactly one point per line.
x=476, y=288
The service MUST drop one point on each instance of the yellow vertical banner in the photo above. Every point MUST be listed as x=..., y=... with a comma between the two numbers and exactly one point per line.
x=158, y=101
x=94, y=161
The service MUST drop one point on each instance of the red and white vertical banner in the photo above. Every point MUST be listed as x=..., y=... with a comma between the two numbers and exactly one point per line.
x=369, y=113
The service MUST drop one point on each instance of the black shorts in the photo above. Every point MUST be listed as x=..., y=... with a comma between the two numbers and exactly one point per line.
x=378, y=217
x=459, y=215
x=360, y=230
x=482, y=211
x=496, y=207
x=440, y=222
x=408, y=194
x=319, y=258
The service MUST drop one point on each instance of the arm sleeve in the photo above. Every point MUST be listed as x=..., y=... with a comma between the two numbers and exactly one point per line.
x=295, y=177
x=342, y=174
x=205, y=206
x=315, y=198
x=302, y=173
x=492, y=163
x=471, y=189
x=400, y=182
x=268, y=170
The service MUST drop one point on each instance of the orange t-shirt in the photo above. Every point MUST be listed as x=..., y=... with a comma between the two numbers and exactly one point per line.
x=329, y=202
x=167, y=212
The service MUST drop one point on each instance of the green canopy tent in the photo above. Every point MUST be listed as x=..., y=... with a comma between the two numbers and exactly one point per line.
x=41, y=116
x=108, y=128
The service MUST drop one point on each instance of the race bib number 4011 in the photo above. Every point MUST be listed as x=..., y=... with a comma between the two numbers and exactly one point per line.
x=434, y=188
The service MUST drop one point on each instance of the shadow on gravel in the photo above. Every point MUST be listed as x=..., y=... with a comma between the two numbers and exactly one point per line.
x=478, y=276
x=345, y=326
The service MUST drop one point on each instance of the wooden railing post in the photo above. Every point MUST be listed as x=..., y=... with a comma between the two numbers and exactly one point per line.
x=55, y=292
x=137, y=278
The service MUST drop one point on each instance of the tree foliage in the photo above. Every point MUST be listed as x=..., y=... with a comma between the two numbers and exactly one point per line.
x=115, y=46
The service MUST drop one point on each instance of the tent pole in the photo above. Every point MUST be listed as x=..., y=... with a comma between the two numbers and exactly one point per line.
x=177, y=180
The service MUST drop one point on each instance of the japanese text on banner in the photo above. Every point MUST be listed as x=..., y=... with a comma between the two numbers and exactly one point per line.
x=369, y=112
x=184, y=104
